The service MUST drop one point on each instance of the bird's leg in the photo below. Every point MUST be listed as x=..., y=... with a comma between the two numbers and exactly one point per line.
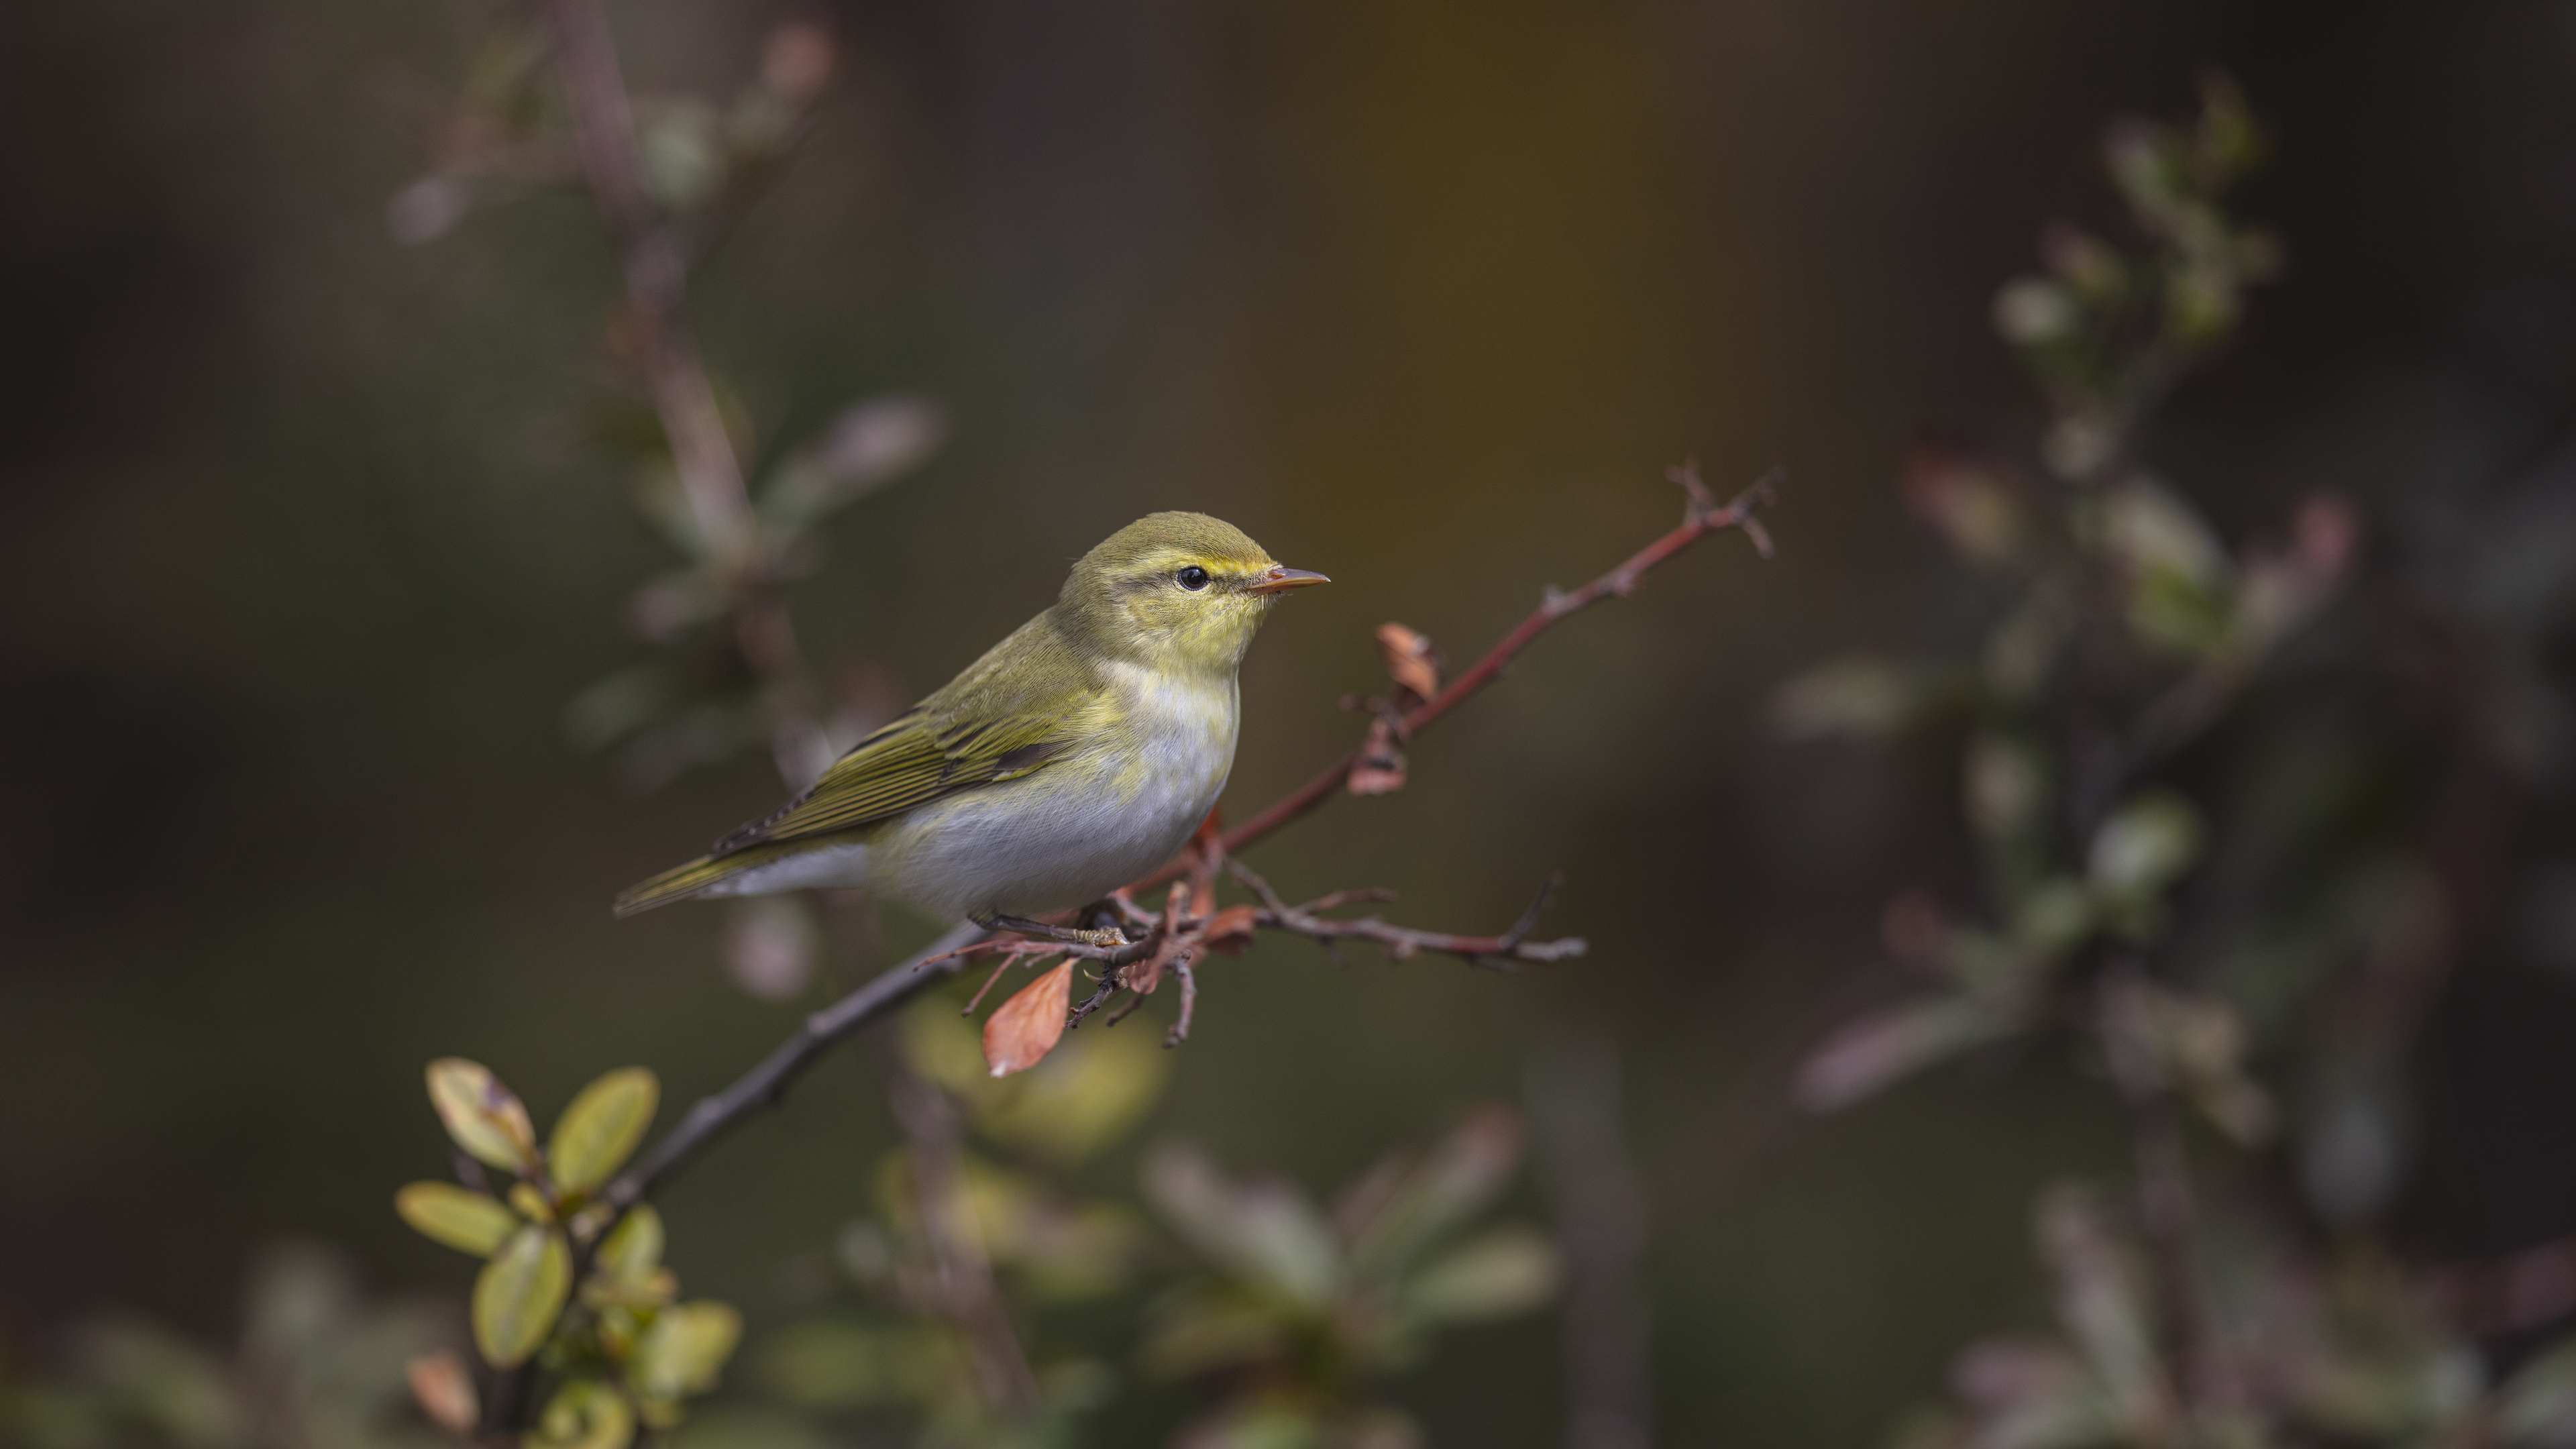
x=1110, y=938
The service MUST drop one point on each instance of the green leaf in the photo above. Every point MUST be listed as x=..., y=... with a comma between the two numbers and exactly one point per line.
x=180, y=1393
x=600, y=1129
x=2005, y=785
x=685, y=1349
x=483, y=1116
x=1494, y=1275
x=2105, y=1303
x=443, y=1212
x=1864, y=700
x=633, y=1251
x=835, y=1366
x=519, y=1293
x=1872, y=1051
x=1203, y=1328
x=1264, y=1231
x=866, y=447
x=1450, y=1184
x=587, y=1414
x=2141, y=849
x=2034, y=311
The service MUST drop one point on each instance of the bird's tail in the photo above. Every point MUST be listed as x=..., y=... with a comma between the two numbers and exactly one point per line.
x=681, y=882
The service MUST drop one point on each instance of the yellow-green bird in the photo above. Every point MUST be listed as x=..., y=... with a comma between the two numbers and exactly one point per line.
x=1076, y=756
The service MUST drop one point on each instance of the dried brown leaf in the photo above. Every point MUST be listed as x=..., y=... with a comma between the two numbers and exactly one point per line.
x=1230, y=930
x=1410, y=660
x=1028, y=1026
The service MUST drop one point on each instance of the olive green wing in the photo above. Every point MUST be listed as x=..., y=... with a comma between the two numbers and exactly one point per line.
x=914, y=760
x=1024, y=703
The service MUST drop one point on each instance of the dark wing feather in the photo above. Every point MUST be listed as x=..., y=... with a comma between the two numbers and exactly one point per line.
x=914, y=760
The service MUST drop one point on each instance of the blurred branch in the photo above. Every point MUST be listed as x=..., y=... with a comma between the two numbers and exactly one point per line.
x=1573, y=1093
x=656, y=270
x=2168, y=1208
x=655, y=266
x=964, y=1287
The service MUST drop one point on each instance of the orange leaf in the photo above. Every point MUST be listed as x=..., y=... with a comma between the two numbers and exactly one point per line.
x=1229, y=930
x=1410, y=659
x=1027, y=1026
x=444, y=1391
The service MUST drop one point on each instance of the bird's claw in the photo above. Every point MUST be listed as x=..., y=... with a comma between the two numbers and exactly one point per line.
x=1108, y=938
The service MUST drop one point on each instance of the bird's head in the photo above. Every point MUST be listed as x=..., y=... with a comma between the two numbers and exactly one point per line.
x=1177, y=591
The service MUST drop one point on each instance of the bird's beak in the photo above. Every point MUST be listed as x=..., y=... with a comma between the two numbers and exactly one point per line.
x=1281, y=580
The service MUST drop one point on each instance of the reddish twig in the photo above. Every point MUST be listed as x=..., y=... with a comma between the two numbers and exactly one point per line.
x=986, y=989
x=1702, y=515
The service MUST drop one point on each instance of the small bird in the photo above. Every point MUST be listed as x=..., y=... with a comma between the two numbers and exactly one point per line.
x=1074, y=757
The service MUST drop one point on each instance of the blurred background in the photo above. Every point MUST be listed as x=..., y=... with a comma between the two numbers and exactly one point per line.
x=305, y=547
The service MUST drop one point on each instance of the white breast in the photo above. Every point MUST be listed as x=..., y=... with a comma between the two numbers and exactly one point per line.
x=1084, y=825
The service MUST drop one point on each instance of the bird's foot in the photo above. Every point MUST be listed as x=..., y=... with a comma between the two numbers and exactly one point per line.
x=1108, y=938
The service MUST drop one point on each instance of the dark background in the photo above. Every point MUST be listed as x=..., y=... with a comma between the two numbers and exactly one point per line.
x=300, y=557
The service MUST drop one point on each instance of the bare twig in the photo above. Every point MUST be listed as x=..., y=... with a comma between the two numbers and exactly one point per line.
x=1404, y=942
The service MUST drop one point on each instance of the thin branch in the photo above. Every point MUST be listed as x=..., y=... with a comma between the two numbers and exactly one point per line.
x=766, y=1084
x=1701, y=516
x=1405, y=942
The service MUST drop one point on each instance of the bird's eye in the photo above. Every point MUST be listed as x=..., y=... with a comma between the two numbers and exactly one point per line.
x=1192, y=578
